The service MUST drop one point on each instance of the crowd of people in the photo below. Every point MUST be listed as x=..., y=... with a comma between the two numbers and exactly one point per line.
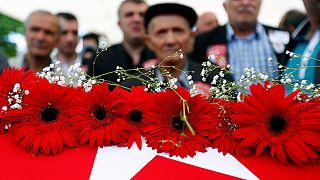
x=152, y=34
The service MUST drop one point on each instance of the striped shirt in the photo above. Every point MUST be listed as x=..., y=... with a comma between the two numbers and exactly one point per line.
x=252, y=51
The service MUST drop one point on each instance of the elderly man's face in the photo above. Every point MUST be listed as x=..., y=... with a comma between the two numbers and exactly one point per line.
x=131, y=20
x=242, y=12
x=167, y=34
x=41, y=34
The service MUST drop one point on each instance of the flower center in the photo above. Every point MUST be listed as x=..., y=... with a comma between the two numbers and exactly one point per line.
x=277, y=123
x=135, y=115
x=100, y=113
x=49, y=114
x=177, y=123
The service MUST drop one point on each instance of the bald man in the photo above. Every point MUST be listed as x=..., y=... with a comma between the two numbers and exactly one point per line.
x=207, y=21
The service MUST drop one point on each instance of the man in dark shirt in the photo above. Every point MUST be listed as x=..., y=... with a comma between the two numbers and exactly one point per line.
x=131, y=53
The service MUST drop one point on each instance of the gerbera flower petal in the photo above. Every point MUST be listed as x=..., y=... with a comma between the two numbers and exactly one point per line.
x=261, y=147
x=310, y=122
x=280, y=153
x=53, y=142
x=311, y=153
x=250, y=141
x=244, y=132
x=26, y=141
x=290, y=146
x=60, y=144
x=94, y=137
x=37, y=145
x=100, y=136
x=216, y=134
x=135, y=136
x=45, y=143
x=70, y=141
x=24, y=131
x=85, y=136
x=107, y=137
x=218, y=141
x=310, y=138
x=294, y=157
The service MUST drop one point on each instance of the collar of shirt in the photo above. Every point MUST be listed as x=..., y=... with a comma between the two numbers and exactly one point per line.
x=255, y=35
x=25, y=63
x=182, y=79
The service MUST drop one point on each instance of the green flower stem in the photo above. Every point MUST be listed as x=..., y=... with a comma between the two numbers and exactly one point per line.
x=94, y=61
x=184, y=116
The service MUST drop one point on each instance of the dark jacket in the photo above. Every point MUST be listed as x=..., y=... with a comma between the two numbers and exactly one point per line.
x=116, y=55
x=219, y=36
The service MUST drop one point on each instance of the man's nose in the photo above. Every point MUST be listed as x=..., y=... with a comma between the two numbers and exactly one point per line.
x=40, y=35
x=246, y=2
x=71, y=36
x=171, y=38
x=137, y=17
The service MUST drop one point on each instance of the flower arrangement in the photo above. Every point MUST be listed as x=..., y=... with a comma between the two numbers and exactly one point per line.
x=48, y=112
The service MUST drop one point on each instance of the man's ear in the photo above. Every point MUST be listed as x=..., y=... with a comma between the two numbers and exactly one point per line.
x=148, y=42
x=78, y=39
x=225, y=6
x=191, y=41
x=119, y=24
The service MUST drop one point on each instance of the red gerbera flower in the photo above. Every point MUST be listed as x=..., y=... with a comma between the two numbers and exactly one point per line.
x=47, y=126
x=102, y=117
x=222, y=135
x=164, y=124
x=268, y=119
x=135, y=116
x=8, y=79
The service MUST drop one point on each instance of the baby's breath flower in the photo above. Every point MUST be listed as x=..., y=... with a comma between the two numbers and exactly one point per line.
x=4, y=108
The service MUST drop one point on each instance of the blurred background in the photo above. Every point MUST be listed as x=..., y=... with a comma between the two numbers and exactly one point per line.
x=100, y=16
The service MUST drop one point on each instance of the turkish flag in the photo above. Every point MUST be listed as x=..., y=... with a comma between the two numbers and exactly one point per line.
x=86, y=162
x=123, y=163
